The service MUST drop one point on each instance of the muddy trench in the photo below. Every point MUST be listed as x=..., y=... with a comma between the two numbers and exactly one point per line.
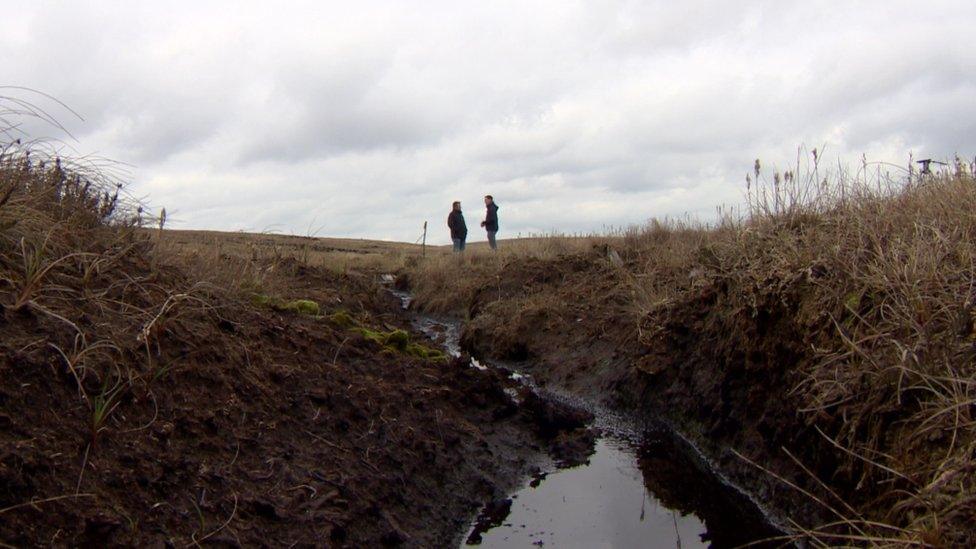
x=635, y=483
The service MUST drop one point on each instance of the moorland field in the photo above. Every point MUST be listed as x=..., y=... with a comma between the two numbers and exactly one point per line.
x=190, y=387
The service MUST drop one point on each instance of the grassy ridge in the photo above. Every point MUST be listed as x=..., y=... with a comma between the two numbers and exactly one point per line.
x=878, y=276
x=70, y=247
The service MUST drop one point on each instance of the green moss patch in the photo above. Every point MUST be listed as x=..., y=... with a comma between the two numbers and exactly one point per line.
x=300, y=306
x=303, y=306
x=342, y=319
x=398, y=341
x=422, y=351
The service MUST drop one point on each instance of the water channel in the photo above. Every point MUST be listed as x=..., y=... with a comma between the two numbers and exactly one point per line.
x=644, y=486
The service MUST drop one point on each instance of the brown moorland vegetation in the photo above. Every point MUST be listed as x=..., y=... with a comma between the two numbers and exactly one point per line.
x=178, y=387
x=155, y=395
x=827, y=340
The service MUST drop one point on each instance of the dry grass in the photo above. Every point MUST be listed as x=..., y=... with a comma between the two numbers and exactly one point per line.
x=880, y=273
x=74, y=260
x=252, y=261
x=445, y=282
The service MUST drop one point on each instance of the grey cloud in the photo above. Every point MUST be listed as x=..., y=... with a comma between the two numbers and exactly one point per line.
x=372, y=117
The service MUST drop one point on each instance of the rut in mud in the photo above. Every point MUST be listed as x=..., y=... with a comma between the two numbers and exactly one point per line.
x=564, y=322
x=821, y=356
x=640, y=483
x=285, y=429
x=153, y=399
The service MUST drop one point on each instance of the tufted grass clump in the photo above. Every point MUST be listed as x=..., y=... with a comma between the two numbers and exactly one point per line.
x=398, y=339
x=303, y=306
x=342, y=319
x=425, y=352
x=299, y=306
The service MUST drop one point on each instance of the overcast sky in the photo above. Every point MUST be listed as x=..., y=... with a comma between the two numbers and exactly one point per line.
x=364, y=119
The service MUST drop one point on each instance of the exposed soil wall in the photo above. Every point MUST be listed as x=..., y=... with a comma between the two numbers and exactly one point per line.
x=825, y=367
x=161, y=398
x=256, y=428
x=706, y=365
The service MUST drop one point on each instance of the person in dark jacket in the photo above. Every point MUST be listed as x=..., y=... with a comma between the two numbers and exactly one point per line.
x=459, y=230
x=491, y=220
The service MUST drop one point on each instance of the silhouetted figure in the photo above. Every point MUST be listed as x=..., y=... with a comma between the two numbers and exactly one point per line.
x=491, y=220
x=459, y=230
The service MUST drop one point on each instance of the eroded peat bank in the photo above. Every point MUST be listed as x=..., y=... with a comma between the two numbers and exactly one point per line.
x=813, y=362
x=620, y=483
x=818, y=352
x=163, y=388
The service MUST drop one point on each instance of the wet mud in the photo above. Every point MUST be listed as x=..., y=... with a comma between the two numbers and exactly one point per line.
x=264, y=427
x=652, y=492
x=622, y=484
x=258, y=427
x=705, y=365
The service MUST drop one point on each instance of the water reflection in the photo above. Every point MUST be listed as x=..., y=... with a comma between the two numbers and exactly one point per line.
x=651, y=494
x=655, y=495
x=603, y=504
x=681, y=481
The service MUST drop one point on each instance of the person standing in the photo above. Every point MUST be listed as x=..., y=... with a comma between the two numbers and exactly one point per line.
x=491, y=221
x=459, y=230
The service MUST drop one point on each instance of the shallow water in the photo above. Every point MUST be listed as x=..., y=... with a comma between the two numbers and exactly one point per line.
x=603, y=504
x=644, y=486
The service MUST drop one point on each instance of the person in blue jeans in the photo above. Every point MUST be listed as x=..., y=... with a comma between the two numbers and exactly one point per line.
x=459, y=230
x=491, y=221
